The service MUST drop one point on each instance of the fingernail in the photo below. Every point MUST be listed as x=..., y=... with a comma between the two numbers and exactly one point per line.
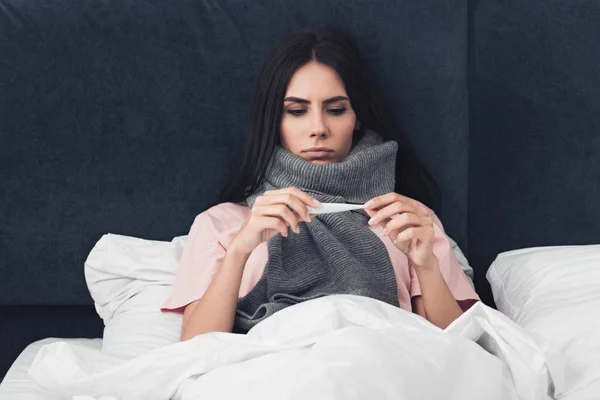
x=395, y=241
x=369, y=204
x=372, y=220
x=316, y=202
x=297, y=230
x=385, y=232
x=308, y=219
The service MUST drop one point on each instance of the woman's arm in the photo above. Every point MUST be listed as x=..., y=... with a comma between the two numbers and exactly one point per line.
x=275, y=212
x=436, y=303
x=411, y=227
x=215, y=311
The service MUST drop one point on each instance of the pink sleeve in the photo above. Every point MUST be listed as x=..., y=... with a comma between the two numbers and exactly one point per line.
x=200, y=259
x=455, y=278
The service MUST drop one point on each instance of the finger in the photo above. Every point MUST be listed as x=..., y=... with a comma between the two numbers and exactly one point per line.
x=404, y=221
x=303, y=196
x=389, y=198
x=289, y=200
x=423, y=233
x=283, y=212
x=273, y=223
x=391, y=210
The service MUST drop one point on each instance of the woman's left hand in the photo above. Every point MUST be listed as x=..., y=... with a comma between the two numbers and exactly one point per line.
x=407, y=223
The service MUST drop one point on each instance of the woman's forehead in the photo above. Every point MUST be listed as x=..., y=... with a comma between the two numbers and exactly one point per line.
x=315, y=82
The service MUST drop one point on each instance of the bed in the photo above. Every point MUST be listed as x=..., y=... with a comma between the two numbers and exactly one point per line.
x=17, y=385
x=116, y=118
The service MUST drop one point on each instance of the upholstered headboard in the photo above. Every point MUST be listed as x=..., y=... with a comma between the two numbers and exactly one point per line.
x=534, y=135
x=122, y=116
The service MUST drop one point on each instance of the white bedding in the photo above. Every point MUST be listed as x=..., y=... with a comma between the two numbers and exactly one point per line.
x=336, y=347
x=553, y=293
x=17, y=385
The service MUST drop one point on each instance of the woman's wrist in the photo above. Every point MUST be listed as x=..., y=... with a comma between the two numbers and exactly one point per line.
x=236, y=253
x=431, y=264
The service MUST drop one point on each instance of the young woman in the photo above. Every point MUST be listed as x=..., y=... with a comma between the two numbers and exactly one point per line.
x=318, y=135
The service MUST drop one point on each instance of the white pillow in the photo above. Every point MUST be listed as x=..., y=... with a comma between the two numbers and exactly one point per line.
x=129, y=279
x=554, y=293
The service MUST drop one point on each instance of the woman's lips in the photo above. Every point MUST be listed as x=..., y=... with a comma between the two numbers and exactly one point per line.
x=318, y=155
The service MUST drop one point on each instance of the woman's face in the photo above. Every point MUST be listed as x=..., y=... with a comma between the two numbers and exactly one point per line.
x=318, y=121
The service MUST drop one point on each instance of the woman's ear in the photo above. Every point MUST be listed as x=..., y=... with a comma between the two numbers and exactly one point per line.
x=357, y=126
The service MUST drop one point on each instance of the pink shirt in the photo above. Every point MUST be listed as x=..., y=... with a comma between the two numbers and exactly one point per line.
x=213, y=230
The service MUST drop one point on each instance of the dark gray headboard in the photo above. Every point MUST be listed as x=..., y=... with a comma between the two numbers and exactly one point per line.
x=121, y=116
x=534, y=138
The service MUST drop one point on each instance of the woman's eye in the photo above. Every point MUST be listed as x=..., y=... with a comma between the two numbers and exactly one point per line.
x=336, y=111
x=297, y=112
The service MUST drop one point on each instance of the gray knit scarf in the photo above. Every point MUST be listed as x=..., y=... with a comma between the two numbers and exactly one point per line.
x=334, y=253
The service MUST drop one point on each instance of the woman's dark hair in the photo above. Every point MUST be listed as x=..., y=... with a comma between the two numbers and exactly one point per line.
x=331, y=48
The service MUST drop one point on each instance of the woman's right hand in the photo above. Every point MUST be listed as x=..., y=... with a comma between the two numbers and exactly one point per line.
x=273, y=213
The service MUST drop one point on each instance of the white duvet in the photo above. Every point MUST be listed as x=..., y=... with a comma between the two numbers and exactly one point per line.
x=336, y=347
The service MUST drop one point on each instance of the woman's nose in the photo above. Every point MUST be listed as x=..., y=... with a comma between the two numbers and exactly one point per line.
x=318, y=128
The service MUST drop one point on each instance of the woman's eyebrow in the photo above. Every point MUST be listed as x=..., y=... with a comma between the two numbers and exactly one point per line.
x=304, y=101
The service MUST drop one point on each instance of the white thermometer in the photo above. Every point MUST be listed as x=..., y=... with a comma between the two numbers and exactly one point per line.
x=326, y=208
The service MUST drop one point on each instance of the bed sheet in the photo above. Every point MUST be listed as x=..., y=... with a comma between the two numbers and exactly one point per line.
x=17, y=385
x=590, y=392
x=334, y=347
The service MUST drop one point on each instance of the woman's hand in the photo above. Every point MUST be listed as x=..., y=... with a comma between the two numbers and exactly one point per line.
x=272, y=213
x=409, y=225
